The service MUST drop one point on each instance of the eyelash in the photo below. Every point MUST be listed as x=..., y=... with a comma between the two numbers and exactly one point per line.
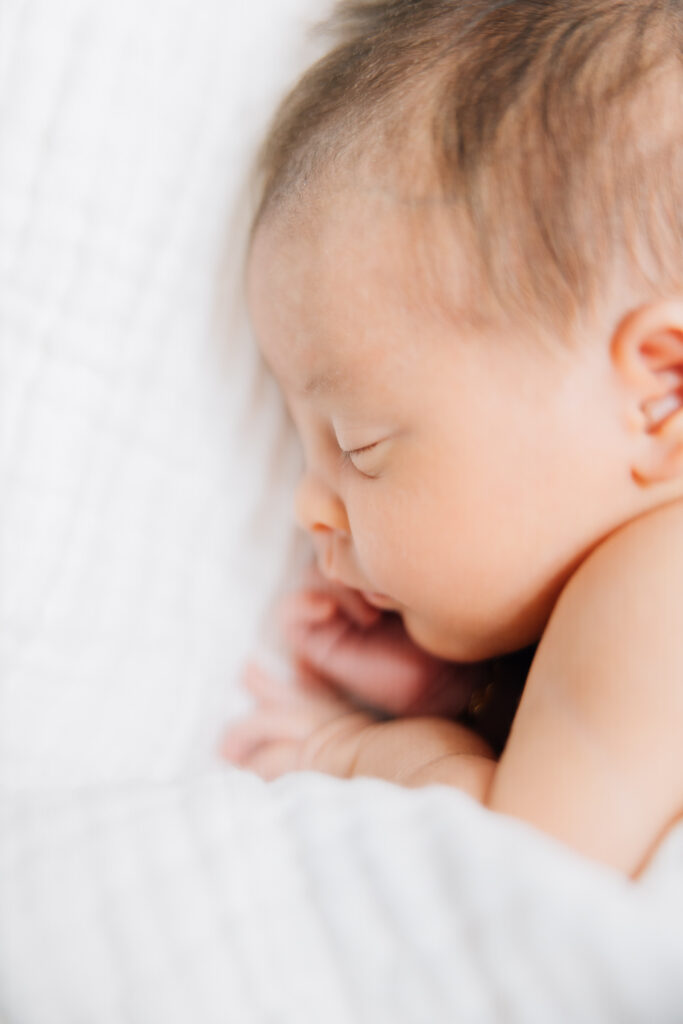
x=346, y=456
x=357, y=451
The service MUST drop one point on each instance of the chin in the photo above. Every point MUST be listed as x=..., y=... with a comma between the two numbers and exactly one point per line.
x=446, y=644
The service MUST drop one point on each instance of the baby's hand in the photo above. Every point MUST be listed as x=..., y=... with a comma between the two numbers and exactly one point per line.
x=309, y=727
x=303, y=726
x=368, y=654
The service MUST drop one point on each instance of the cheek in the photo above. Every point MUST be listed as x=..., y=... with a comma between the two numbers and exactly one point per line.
x=381, y=537
x=398, y=544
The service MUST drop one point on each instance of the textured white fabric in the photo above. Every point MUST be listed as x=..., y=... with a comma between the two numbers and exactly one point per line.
x=144, y=469
x=311, y=900
x=145, y=480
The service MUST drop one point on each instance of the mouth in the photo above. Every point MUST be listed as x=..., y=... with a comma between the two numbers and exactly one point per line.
x=380, y=601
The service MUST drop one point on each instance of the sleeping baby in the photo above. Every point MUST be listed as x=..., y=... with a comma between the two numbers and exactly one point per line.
x=466, y=274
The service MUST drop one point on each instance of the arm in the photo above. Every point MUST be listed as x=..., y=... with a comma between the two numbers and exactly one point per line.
x=310, y=726
x=410, y=752
x=595, y=757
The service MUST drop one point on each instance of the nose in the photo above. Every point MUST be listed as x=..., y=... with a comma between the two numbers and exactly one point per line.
x=318, y=508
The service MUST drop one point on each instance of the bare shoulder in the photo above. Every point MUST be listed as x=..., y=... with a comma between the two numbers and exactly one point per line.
x=595, y=756
x=636, y=574
x=650, y=546
x=617, y=630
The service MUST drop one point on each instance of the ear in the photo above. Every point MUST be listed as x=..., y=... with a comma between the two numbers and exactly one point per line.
x=647, y=355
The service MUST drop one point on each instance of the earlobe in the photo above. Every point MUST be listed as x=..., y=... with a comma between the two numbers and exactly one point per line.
x=664, y=459
x=647, y=357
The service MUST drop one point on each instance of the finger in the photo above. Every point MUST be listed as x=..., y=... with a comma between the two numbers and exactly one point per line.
x=263, y=686
x=319, y=648
x=241, y=739
x=381, y=666
x=238, y=742
x=308, y=605
x=351, y=601
x=292, y=707
x=319, y=692
x=305, y=608
x=273, y=760
x=264, y=726
x=356, y=608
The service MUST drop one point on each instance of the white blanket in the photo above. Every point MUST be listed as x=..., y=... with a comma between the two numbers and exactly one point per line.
x=313, y=900
x=146, y=477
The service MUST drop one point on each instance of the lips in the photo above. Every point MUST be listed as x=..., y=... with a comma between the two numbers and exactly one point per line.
x=371, y=597
x=380, y=601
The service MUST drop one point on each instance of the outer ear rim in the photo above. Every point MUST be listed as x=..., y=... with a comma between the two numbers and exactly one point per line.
x=646, y=325
x=646, y=350
x=646, y=353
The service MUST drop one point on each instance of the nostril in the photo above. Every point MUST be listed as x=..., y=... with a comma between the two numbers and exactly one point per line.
x=318, y=508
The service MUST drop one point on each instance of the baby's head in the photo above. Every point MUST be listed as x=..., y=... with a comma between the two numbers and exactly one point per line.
x=466, y=273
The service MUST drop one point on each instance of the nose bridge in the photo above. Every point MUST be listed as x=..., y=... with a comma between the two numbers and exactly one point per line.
x=318, y=506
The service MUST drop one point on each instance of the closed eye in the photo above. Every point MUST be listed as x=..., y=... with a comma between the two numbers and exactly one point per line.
x=358, y=451
x=354, y=457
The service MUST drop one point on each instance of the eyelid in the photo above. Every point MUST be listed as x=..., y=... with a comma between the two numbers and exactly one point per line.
x=348, y=456
x=358, y=451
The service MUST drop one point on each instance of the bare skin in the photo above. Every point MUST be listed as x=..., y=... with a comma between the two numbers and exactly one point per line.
x=594, y=757
x=494, y=493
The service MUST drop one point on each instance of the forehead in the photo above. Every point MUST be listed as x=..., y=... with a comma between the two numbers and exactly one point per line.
x=339, y=287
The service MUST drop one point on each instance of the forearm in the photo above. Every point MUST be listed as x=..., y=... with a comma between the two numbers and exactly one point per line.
x=409, y=752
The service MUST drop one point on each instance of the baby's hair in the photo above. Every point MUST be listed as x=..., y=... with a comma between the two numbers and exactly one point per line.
x=551, y=129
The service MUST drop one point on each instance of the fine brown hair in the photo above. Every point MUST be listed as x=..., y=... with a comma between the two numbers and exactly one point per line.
x=551, y=129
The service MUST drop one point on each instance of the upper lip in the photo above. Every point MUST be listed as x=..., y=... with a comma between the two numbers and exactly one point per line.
x=372, y=597
x=333, y=577
x=380, y=601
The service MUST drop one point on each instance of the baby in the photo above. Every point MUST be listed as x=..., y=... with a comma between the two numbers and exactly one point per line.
x=466, y=274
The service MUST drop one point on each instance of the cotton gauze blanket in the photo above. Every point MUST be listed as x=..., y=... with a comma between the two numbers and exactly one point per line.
x=146, y=479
